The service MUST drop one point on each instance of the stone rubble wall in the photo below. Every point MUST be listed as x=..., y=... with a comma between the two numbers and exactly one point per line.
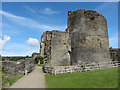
x=34, y=55
x=55, y=48
x=17, y=68
x=60, y=49
x=45, y=47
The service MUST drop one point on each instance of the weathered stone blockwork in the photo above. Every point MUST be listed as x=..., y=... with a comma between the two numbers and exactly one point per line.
x=84, y=41
x=34, y=55
x=17, y=68
x=55, y=48
x=89, y=37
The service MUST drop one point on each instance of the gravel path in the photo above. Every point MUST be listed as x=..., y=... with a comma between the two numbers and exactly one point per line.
x=35, y=79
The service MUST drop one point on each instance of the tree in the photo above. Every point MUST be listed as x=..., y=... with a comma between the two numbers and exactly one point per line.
x=27, y=56
x=39, y=59
x=110, y=47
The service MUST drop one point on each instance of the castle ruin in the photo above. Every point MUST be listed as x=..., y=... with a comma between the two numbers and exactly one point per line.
x=85, y=41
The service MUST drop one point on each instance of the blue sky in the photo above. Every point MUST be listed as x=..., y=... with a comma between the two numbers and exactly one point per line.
x=24, y=23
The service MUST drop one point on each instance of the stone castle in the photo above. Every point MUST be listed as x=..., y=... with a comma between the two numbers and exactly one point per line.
x=85, y=41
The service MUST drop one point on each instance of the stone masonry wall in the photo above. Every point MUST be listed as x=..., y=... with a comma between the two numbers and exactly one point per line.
x=45, y=47
x=89, y=37
x=17, y=68
x=60, y=49
x=34, y=55
x=84, y=41
x=55, y=48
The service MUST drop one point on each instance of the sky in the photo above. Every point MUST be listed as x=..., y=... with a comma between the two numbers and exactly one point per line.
x=23, y=23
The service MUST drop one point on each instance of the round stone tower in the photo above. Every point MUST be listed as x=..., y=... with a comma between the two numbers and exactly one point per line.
x=89, y=37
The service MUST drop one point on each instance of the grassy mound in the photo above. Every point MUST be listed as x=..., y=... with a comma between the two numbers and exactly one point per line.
x=107, y=78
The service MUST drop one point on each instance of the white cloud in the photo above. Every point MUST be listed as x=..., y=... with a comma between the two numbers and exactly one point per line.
x=30, y=9
x=19, y=49
x=11, y=15
x=28, y=49
x=4, y=41
x=30, y=23
x=48, y=11
x=33, y=42
x=102, y=7
x=106, y=8
x=20, y=53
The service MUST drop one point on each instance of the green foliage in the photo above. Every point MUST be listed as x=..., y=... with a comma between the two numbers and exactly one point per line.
x=4, y=72
x=11, y=80
x=14, y=79
x=41, y=60
x=38, y=65
x=5, y=80
x=0, y=75
x=110, y=47
x=27, y=56
x=107, y=78
x=37, y=59
x=14, y=58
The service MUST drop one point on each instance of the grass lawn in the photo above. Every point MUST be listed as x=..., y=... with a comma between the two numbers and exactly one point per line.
x=38, y=65
x=11, y=80
x=7, y=79
x=107, y=78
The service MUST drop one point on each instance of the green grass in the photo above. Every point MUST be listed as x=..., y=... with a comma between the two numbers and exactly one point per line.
x=14, y=79
x=11, y=80
x=38, y=65
x=107, y=78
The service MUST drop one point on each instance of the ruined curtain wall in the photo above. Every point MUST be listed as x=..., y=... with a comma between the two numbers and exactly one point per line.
x=55, y=48
x=17, y=68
